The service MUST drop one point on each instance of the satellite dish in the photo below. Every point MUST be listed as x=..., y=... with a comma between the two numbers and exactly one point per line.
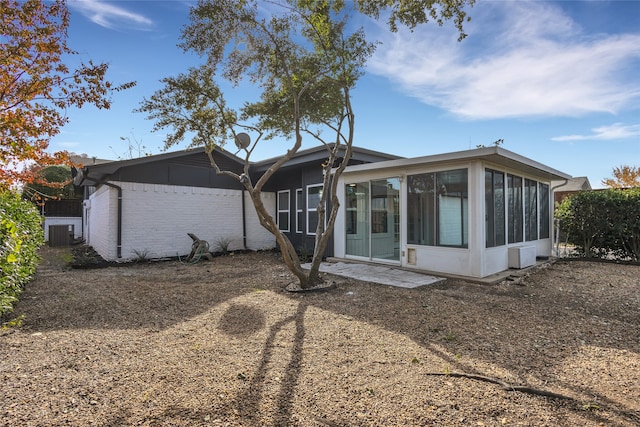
x=242, y=140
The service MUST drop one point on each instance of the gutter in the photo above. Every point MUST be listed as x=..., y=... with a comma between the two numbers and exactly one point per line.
x=553, y=189
x=244, y=222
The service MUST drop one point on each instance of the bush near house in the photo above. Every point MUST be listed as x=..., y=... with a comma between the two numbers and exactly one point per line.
x=603, y=223
x=21, y=235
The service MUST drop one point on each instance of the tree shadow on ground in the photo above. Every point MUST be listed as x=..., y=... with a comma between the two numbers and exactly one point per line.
x=248, y=401
x=151, y=296
x=550, y=323
x=544, y=321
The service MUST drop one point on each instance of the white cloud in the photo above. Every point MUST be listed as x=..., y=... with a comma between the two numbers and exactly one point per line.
x=110, y=16
x=614, y=131
x=520, y=59
x=65, y=145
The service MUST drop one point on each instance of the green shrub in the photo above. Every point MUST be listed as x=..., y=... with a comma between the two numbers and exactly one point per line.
x=603, y=223
x=21, y=235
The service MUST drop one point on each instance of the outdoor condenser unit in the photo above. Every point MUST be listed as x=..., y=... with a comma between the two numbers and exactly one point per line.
x=522, y=256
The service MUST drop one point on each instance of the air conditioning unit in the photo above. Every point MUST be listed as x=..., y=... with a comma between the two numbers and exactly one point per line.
x=522, y=256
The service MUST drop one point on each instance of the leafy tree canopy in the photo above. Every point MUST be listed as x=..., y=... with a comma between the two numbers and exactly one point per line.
x=623, y=177
x=51, y=182
x=37, y=86
x=304, y=57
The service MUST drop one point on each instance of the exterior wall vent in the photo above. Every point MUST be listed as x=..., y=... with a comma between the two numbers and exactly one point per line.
x=411, y=256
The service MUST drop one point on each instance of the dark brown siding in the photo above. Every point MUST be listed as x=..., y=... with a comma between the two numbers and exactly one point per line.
x=193, y=170
x=58, y=208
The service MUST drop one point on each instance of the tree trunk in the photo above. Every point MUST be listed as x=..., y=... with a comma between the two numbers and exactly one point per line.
x=289, y=254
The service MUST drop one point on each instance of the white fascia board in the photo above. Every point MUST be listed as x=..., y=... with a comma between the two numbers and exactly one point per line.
x=495, y=154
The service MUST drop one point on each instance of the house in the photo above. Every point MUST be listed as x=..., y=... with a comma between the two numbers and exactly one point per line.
x=472, y=213
x=63, y=218
x=297, y=186
x=146, y=206
x=62, y=221
x=564, y=189
x=61, y=208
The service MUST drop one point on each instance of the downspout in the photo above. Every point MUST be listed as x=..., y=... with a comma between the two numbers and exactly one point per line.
x=244, y=223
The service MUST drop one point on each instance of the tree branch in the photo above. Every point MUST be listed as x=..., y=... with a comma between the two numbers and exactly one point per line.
x=505, y=386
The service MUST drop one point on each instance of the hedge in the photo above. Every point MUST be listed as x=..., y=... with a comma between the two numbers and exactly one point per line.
x=603, y=223
x=21, y=235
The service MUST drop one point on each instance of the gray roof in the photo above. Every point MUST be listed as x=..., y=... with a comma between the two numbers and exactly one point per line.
x=579, y=183
x=101, y=170
x=320, y=153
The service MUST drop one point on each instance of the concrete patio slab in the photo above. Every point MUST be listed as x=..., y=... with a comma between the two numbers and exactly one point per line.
x=378, y=274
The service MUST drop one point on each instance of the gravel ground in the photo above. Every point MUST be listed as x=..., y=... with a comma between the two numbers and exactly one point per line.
x=220, y=343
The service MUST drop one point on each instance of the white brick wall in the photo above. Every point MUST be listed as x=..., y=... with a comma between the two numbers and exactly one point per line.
x=101, y=228
x=156, y=219
x=257, y=236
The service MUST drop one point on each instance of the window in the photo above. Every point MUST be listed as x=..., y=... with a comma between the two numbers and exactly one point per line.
x=314, y=193
x=379, y=215
x=357, y=219
x=494, y=208
x=438, y=209
x=283, y=210
x=372, y=219
x=351, y=207
x=530, y=210
x=299, y=211
x=544, y=210
x=514, y=214
x=420, y=209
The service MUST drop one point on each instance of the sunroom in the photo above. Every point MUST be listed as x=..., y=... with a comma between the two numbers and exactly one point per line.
x=471, y=213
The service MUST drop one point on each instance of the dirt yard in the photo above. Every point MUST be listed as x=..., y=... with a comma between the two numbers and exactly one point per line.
x=220, y=343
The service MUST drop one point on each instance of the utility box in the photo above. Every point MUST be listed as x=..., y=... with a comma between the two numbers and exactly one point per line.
x=61, y=235
x=522, y=256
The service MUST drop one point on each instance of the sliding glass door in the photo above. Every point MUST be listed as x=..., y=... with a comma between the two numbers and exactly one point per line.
x=373, y=219
x=357, y=219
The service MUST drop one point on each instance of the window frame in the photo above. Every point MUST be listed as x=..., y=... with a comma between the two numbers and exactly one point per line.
x=515, y=209
x=314, y=208
x=534, y=209
x=531, y=220
x=299, y=211
x=434, y=215
x=544, y=211
x=493, y=213
x=286, y=211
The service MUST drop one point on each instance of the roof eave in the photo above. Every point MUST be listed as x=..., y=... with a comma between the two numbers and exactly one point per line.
x=493, y=154
x=101, y=172
x=317, y=153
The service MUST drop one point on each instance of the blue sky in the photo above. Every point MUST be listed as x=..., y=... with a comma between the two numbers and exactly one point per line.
x=559, y=82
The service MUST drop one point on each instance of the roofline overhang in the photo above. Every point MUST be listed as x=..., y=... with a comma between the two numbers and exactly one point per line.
x=317, y=153
x=99, y=173
x=495, y=154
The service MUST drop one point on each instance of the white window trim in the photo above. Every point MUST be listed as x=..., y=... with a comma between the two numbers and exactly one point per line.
x=299, y=209
x=288, y=211
x=311, y=209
